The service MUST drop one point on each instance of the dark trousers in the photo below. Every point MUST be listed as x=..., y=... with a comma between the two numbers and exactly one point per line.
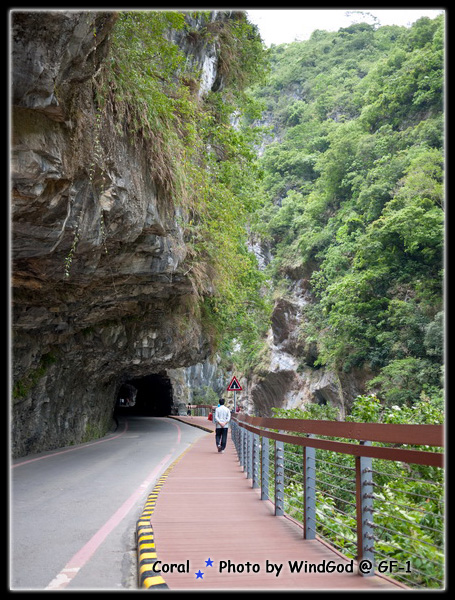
x=221, y=436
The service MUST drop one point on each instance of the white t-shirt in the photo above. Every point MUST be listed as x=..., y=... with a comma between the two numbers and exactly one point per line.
x=223, y=414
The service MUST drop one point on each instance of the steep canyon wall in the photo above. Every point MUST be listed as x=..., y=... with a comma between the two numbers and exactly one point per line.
x=125, y=311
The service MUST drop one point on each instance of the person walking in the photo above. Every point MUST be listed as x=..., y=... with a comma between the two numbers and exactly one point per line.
x=221, y=418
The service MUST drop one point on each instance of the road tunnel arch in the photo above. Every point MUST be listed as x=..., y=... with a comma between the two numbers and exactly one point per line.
x=153, y=396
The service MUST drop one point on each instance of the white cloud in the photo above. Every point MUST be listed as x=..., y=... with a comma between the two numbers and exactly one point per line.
x=284, y=26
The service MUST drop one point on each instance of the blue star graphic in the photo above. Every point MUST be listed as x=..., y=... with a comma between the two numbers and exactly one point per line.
x=209, y=563
x=199, y=574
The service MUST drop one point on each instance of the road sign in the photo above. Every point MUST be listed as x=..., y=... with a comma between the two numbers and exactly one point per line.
x=234, y=386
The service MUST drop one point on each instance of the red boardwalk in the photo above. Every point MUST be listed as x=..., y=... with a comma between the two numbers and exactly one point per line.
x=209, y=521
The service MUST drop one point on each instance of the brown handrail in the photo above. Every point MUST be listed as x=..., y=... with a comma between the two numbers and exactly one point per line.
x=428, y=435
x=358, y=438
x=392, y=433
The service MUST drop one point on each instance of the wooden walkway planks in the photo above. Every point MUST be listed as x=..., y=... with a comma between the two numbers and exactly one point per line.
x=207, y=510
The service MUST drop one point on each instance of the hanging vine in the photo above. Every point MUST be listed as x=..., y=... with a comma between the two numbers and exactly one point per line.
x=96, y=161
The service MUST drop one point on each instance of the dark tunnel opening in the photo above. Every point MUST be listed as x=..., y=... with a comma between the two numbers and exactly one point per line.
x=153, y=397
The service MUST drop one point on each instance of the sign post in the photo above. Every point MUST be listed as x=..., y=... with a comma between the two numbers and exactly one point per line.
x=234, y=386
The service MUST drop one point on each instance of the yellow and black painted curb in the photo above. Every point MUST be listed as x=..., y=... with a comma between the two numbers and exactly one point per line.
x=146, y=549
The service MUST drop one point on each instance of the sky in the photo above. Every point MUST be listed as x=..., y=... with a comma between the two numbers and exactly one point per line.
x=287, y=25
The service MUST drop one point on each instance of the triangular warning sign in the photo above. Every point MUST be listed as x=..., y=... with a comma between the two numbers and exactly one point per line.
x=234, y=386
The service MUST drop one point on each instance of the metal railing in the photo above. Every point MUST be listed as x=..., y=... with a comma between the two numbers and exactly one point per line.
x=200, y=410
x=377, y=498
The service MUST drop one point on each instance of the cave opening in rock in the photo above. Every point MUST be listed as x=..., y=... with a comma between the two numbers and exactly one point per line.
x=320, y=399
x=153, y=397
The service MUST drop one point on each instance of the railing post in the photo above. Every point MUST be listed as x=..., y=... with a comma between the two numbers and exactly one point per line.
x=234, y=436
x=245, y=450
x=241, y=453
x=279, y=478
x=364, y=506
x=265, y=468
x=249, y=464
x=309, y=492
x=255, y=460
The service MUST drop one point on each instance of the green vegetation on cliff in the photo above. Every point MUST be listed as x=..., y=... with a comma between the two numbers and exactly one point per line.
x=201, y=161
x=354, y=197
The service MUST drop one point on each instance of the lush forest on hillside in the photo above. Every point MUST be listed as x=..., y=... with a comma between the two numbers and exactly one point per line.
x=353, y=188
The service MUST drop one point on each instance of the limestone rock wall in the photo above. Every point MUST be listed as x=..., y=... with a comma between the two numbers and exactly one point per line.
x=125, y=311
x=288, y=377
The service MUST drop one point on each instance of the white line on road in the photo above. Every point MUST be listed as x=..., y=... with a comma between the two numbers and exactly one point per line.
x=75, y=564
x=71, y=569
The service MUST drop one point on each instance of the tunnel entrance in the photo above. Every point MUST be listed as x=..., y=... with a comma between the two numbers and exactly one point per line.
x=153, y=398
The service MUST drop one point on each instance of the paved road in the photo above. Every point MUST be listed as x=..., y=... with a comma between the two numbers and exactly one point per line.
x=73, y=511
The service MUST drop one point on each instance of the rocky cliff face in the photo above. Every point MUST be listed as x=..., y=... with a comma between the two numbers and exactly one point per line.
x=287, y=377
x=126, y=309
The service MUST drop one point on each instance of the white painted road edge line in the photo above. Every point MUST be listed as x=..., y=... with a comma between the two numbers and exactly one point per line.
x=75, y=564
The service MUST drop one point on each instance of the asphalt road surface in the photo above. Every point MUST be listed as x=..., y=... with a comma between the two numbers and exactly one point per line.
x=73, y=511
